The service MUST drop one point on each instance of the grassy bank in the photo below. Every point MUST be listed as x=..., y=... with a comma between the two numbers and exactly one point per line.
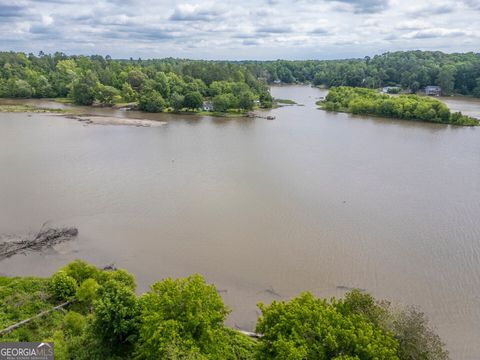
x=17, y=108
x=285, y=102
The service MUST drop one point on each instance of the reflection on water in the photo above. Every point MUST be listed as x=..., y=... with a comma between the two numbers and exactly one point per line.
x=311, y=201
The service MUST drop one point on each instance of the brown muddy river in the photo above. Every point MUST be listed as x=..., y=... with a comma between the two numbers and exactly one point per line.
x=264, y=209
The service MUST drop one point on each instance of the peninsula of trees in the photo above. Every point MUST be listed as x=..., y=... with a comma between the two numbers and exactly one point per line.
x=408, y=107
x=155, y=85
x=103, y=318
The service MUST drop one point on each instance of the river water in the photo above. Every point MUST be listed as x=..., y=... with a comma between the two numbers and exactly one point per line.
x=264, y=209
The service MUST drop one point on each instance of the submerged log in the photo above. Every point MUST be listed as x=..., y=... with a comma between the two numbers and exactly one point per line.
x=44, y=238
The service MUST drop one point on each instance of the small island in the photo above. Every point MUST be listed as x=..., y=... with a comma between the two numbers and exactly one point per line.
x=364, y=101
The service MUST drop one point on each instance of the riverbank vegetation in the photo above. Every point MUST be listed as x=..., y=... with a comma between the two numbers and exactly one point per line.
x=152, y=85
x=184, y=319
x=285, y=102
x=28, y=108
x=413, y=70
x=409, y=107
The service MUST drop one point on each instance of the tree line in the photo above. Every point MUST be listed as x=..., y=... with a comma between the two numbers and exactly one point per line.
x=408, y=107
x=154, y=84
x=413, y=70
x=184, y=319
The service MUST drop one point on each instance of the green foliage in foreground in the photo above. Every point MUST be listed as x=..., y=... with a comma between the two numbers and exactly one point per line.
x=184, y=319
x=408, y=107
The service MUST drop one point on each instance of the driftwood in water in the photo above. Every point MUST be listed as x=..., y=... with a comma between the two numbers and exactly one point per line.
x=255, y=115
x=44, y=238
x=43, y=313
x=109, y=267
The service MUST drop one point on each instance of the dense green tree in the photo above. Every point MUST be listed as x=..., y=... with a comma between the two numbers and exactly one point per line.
x=266, y=100
x=128, y=94
x=151, y=101
x=177, y=101
x=182, y=317
x=83, y=89
x=246, y=100
x=64, y=76
x=115, y=319
x=476, y=90
x=223, y=102
x=105, y=94
x=410, y=327
x=20, y=89
x=311, y=328
x=193, y=100
x=446, y=79
x=136, y=79
x=162, y=85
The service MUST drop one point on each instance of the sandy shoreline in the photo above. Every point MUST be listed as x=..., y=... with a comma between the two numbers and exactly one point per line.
x=111, y=120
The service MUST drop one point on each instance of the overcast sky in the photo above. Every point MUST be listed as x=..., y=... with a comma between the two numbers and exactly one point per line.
x=248, y=29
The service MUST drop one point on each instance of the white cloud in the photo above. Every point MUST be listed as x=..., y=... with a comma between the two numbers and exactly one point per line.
x=412, y=25
x=47, y=20
x=228, y=29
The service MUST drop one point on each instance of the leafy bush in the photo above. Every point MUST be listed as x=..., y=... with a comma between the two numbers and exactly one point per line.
x=87, y=292
x=74, y=323
x=311, y=328
x=81, y=271
x=182, y=317
x=121, y=276
x=415, y=337
x=62, y=286
x=115, y=319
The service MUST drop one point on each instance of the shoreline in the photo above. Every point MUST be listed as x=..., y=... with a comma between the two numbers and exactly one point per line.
x=19, y=106
x=116, y=121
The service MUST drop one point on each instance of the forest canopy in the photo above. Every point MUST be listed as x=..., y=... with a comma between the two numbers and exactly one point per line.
x=413, y=70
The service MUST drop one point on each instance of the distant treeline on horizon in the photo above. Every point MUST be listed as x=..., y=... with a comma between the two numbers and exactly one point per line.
x=45, y=75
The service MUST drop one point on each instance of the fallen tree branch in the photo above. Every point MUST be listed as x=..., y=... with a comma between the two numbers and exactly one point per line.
x=250, y=334
x=43, y=238
x=43, y=313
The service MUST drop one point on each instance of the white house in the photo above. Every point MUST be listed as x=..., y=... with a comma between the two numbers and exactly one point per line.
x=207, y=106
x=433, y=90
